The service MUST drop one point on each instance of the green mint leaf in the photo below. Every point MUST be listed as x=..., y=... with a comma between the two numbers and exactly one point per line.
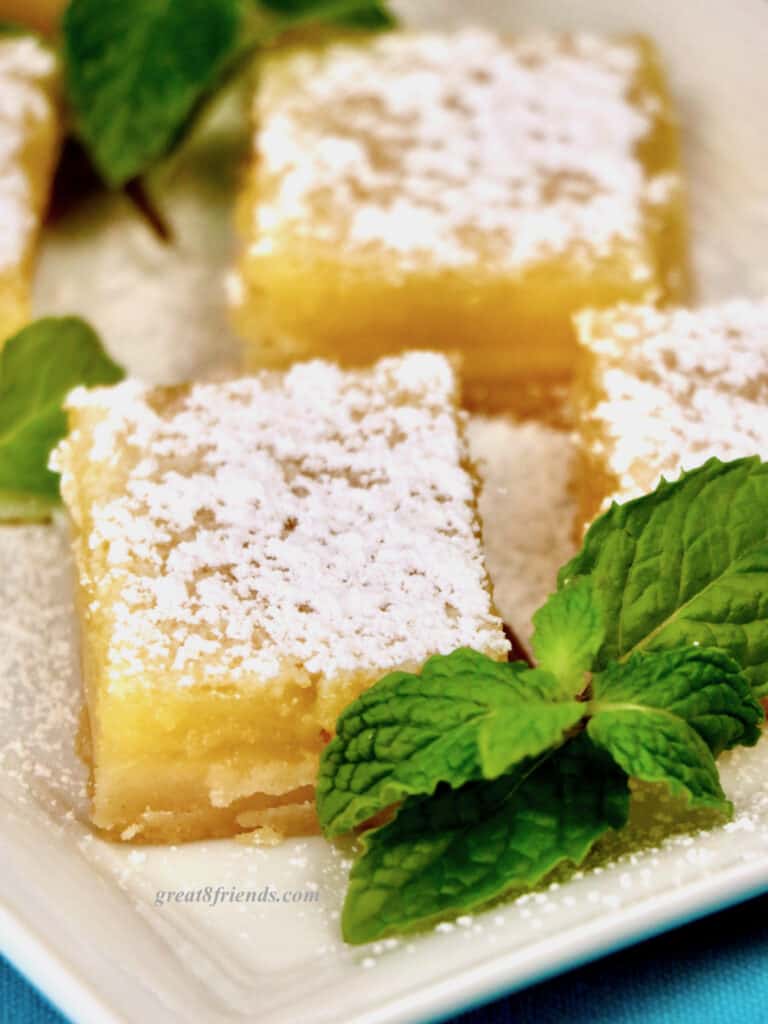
x=136, y=72
x=39, y=366
x=656, y=746
x=686, y=565
x=459, y=849
x=464, y=717
x=363, y=14
x=373, y=17
x=703, y=686
x=568, y=633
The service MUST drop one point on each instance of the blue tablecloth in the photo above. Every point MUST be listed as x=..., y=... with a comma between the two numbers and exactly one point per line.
x=712, y=972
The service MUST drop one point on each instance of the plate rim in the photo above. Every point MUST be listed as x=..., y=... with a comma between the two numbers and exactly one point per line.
x=40, y=964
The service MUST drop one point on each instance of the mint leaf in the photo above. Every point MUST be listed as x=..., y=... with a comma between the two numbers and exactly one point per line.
x=366, y=14
x=702, y=686
x=465, y=716
x=569, y=633
x=373, y=17
x=663, y=716
x=137, y=71
x=655, y=746
x=686, y=565
x=462, y=848
x=38, y=367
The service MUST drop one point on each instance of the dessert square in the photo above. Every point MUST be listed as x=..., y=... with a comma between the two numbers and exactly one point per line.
x=468, y=191
x=29, y=139
x=251, y=555
x=662, y=391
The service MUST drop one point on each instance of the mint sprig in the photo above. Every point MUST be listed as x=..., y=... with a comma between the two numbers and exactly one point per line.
x=39, y=366
x=138, y=73
x=492, y=774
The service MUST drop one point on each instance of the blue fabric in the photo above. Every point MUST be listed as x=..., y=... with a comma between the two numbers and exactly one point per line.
x=20, y=1003
x=712, y=972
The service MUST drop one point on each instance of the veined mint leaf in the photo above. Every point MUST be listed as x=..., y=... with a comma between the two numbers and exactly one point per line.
x=535, y=724
x=462, y=848
x=136, y=72
x=465, y=716
x=656, y=746
x=686, y=565
x=703, y=686
x=38, y=367
x=569, y=633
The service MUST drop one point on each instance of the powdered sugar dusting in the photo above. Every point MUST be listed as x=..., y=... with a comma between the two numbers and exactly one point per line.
x=676, y=388
x=27, y=69
x=319, y=521
x=456, y=147
x=40, y=697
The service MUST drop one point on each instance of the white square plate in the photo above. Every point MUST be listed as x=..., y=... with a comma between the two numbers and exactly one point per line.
x=78, y=915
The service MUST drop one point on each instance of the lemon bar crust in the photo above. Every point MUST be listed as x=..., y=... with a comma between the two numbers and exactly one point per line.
x=250, y=556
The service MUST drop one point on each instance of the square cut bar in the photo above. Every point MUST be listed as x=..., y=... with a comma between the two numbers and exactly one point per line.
x=464, y=190
x=662, y=391
x=29, y=141
x=251, y=556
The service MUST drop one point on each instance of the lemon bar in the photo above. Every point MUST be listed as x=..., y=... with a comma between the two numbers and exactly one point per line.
x=467, y=191
x=662, y=391
x=29, y=137
x=251, y=555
